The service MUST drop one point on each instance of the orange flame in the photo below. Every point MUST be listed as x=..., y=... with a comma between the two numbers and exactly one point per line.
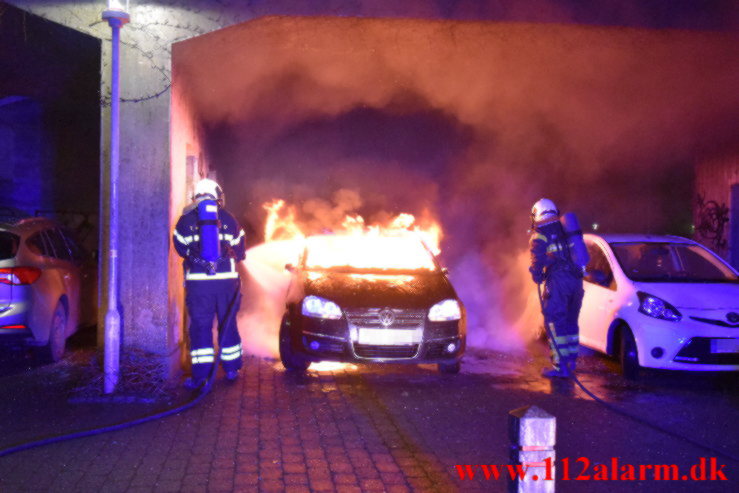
x=282, y=224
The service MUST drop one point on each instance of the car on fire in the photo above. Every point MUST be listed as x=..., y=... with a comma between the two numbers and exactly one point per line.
x=662, y=302
x=47, y=285
x=371, y=299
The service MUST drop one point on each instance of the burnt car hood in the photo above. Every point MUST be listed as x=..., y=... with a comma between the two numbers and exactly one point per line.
x=379, y=290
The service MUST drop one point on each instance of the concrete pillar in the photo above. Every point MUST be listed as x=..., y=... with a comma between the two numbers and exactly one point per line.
x=532, y=432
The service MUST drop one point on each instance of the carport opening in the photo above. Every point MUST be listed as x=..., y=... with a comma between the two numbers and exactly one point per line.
x=466, y=122
x=49, y=122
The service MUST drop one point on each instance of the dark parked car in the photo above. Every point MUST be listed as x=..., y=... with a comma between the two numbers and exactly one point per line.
x=371, y=299
x=47, y=285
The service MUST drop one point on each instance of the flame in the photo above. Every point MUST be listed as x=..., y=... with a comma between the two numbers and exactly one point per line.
x=282, y=224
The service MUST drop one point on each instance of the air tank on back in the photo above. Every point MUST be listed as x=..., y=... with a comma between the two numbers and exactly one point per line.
x=578, y=250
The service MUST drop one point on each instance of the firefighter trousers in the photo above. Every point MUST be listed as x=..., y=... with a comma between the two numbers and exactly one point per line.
x=206, y=300
x=561, y=304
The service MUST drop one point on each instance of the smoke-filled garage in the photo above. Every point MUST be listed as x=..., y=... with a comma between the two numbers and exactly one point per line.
x=409, y=128
x=465, y=123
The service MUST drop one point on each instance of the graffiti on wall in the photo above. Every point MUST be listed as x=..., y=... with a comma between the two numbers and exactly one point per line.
x=711, y=222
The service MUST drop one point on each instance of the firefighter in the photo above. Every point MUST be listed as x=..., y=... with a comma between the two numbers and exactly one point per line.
x=553, y=265
x=210, y=241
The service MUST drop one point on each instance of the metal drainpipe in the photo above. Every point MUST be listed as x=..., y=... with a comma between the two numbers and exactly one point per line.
x=116, y=19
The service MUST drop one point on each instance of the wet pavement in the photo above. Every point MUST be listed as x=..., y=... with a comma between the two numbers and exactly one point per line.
x=364, y=428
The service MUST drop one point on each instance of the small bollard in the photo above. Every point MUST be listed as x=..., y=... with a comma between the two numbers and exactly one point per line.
x=532, y=433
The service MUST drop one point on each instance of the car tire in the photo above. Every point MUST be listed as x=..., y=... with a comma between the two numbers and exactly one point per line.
x=450, y=368
x=54, y=349
x=628, y=355
x=290, y=359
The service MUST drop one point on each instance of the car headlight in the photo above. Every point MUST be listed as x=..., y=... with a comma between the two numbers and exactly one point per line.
x=445, y=310
x=315, y=306
x=658, y=308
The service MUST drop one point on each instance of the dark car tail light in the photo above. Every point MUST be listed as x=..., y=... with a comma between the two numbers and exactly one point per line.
x=16, y=276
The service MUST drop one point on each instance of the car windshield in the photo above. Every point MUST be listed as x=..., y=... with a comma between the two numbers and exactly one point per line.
x=670, y=262
x=8, y=245
x=366, y=253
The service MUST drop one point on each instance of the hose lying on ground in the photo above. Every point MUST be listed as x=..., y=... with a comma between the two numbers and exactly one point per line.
x=622, y=412
x=204, y=390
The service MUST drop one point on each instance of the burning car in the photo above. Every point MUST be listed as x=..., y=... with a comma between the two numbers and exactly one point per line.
x=364, y=298
x=660, y=302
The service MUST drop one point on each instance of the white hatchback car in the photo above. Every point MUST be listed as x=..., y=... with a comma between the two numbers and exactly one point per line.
x=660, y=302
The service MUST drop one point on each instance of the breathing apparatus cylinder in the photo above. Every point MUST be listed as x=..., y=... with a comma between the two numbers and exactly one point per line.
x=578, y=251
x=210, y=243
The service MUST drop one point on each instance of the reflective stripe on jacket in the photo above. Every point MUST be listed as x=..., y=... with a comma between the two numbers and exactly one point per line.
x=549, y=251
x=186, y=239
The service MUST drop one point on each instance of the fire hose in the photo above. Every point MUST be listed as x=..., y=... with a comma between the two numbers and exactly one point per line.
x=203, y=391
x=622, y=412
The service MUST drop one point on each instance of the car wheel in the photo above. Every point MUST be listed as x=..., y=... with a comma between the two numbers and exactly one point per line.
x=628, y=356
x=450, y=368
x=54, y=349
x=290, y=359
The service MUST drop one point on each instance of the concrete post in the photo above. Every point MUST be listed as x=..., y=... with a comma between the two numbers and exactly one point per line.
x=532, y=432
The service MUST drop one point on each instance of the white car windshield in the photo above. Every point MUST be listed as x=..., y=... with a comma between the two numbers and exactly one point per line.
x=670, y=262
x=359, y=253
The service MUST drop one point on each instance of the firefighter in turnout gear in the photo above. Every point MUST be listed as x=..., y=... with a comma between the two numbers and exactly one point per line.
x=211, y=242
x=552, y=264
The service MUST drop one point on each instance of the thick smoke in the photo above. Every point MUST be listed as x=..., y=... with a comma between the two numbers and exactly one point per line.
x=471, y=122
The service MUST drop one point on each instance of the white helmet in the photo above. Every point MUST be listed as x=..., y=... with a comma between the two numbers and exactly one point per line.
x=544, y=210
x=207, y=186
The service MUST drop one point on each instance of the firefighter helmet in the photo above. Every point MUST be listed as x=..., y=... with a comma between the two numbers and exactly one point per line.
x=544, y=210
x=206, y=186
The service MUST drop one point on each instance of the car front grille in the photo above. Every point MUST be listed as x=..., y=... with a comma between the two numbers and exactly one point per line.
x=698, y=351
x=372, y=318
x=720, y=323
x=371, y=351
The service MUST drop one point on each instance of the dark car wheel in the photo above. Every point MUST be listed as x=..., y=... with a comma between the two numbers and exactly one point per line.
x=54, y=349
x=628, y=356
x=290, y=359
x=450, y=368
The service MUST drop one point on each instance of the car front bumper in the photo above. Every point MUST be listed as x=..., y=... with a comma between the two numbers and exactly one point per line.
x=687, y=344
x=336, y=340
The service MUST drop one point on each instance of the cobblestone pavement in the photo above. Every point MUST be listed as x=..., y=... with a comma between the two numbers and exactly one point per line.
x=342, y=428
x=270, y=431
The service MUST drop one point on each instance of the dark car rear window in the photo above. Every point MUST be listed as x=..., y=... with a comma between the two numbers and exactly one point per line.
x=38, y=245
x=8, y=245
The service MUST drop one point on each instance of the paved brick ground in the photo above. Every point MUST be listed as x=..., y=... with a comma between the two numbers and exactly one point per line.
x=391, y=429
x=270, y=431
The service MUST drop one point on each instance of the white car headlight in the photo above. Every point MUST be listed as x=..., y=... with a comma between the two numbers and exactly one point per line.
x=445, y=310
x=657, y=307
x=315, y=306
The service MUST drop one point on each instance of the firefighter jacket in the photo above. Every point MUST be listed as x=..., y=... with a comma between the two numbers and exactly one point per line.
x=186, y=239
x=550, y=252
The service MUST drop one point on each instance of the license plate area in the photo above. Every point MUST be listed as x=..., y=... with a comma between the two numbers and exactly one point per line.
x=724, y=346
x=388, y=337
